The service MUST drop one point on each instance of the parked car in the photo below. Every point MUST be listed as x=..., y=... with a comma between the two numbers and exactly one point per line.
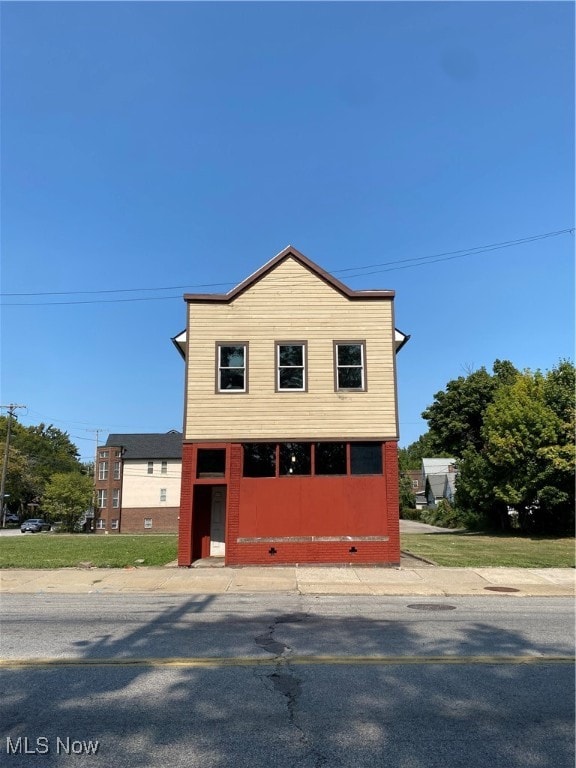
x=11, y=518
x=35, y=525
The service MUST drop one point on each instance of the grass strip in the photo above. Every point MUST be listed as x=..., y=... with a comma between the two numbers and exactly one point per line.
x=60, y=550
x=477, y=550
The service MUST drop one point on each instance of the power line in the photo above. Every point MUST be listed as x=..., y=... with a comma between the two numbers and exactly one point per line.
x=417, y=261
x=462, y=252
x=119, y=290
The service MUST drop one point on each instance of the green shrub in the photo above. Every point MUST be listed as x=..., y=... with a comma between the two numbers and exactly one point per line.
x=443, y=515
x=407, y=513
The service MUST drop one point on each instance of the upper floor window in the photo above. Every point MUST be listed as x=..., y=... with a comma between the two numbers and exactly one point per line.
x=103, y=454
x=102, y=498
x=115, y=498
x=162, y=494
x=350, y=370
x=232, y=368
x=164, y=468
x=103, y=470
x=150, y=467
x=291, y=366
x=116, y=470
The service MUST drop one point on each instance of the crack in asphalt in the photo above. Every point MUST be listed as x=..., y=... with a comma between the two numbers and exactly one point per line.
x=286, y=683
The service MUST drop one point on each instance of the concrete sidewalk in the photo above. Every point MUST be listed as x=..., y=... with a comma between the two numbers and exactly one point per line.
x=419, y=580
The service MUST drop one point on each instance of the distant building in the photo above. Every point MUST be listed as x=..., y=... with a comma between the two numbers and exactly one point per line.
x=439, y=479
x=418, y=486
x=137, y=479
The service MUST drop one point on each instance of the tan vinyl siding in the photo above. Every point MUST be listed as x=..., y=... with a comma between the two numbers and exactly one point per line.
x=291, y=303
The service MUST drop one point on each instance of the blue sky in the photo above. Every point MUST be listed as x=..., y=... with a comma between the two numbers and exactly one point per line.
x=150, y=145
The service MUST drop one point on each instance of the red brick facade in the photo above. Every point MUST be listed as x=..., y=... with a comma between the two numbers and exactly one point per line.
x=162, y=520
x=109, y=483
x=308, y=520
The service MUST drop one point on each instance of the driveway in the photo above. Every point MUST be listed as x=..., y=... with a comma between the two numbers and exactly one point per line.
x=413, y=526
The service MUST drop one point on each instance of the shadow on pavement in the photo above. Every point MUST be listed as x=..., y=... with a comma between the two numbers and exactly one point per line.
x=288, y=714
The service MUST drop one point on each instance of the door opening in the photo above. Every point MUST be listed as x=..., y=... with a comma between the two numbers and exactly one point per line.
x=218, y=521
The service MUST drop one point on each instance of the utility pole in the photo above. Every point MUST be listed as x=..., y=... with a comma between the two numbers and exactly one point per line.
x=97, y=431
x=94, y=506
x=11, y=408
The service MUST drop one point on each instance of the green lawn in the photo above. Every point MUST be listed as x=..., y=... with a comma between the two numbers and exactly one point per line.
x=60, y=550
x=50, y=550
x=476, y=550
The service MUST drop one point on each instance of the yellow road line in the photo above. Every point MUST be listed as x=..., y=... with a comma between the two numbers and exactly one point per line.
x=240, y=661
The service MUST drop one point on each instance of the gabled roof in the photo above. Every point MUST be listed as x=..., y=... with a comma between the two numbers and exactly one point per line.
x=288, y=253
x=437, y=466
x=436, y=484
x=150, y=445
x=450, y=483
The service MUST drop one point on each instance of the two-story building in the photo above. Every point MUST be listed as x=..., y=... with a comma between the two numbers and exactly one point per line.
x=138, y=479
x=291, y=421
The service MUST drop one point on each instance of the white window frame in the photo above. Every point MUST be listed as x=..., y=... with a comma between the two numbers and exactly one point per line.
x=100, y=524
x=103, y=454
x=164, y=468
x=102, y=498
x=117, y=469
x=163, y=494
x=219, y=367
x=103, y=470
x=150, y=467
x=114, y=524
x=116, y=498
x=279, y=368
x=338, y=366
x=148, y=523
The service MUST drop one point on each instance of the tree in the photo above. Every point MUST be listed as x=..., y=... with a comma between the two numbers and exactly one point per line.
x=411, y=456
x=21, y=486
x=67, y=497
x=513, y=435
x=407, y=497
x=456, y=416
x=45, y=450
x=528, y=434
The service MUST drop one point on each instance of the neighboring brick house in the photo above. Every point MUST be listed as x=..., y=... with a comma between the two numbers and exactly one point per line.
x=418, y=487
x=138, y=478
x=291, y=423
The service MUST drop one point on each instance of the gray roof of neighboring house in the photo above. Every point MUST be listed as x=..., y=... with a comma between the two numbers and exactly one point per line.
x=151, y=445
x=437, y=466
x=437, y=485
x=451, y=481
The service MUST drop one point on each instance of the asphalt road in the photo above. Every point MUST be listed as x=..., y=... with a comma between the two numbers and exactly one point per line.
x=243, y=681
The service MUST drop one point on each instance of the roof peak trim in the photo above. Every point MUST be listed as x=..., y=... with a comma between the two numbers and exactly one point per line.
x=286, y=253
